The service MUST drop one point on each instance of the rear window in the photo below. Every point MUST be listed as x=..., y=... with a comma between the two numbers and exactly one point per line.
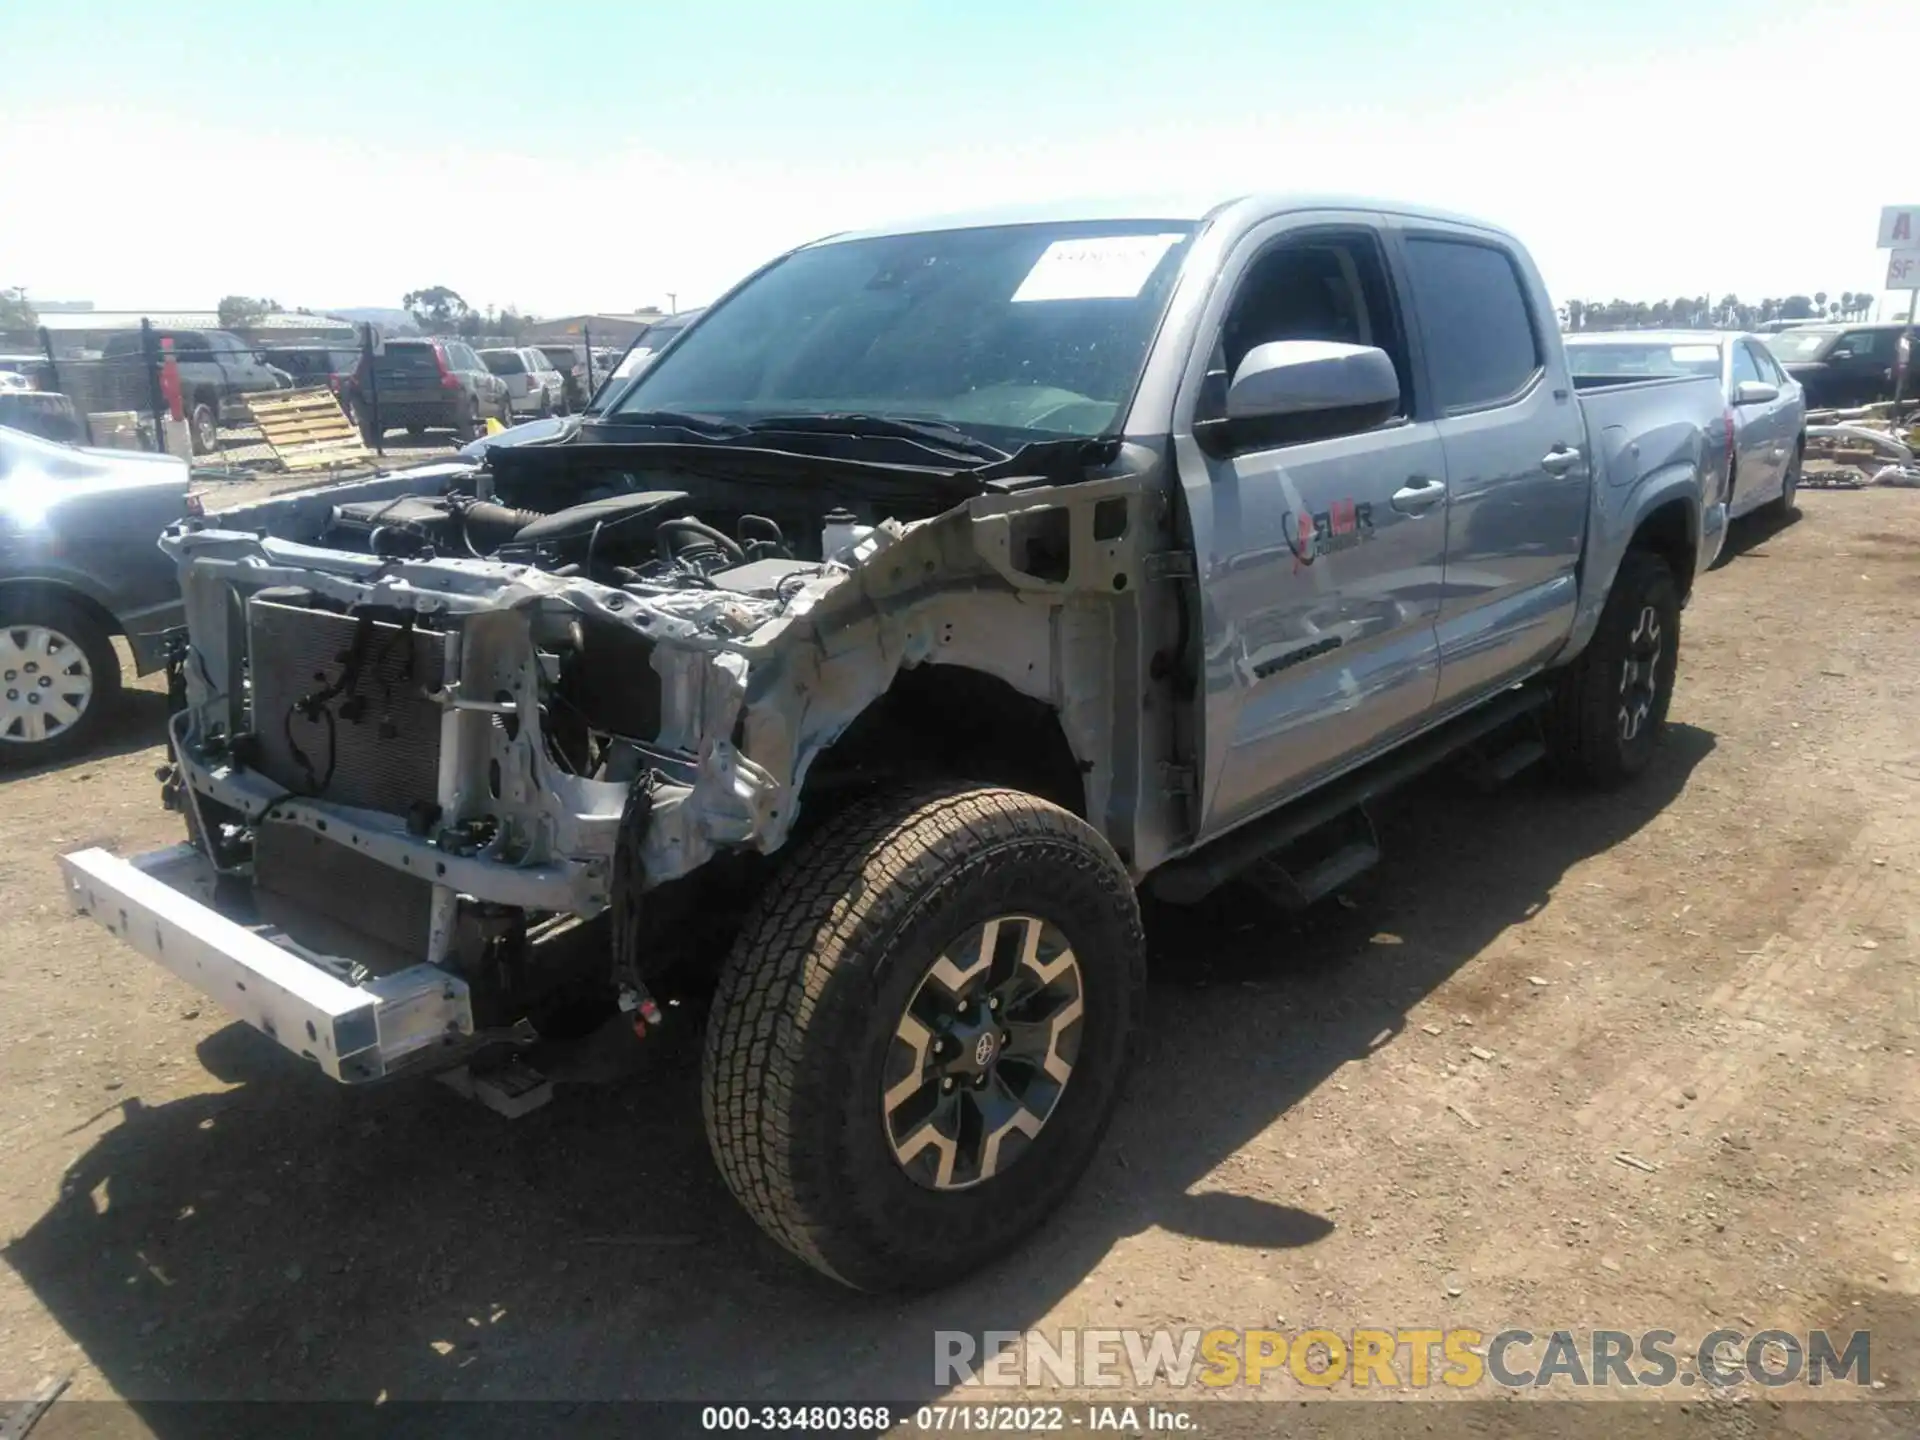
x=410, y=360
x=1480, y=340
x=560, y=355
x=503, y=364
x=1658, y=360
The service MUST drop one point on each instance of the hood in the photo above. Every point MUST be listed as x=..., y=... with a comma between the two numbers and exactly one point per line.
x=27, y=460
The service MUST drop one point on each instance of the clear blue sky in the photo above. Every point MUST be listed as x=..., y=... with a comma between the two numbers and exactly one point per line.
x=586, y=155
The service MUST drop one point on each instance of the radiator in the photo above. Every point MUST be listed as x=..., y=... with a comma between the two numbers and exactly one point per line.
x=375, y=745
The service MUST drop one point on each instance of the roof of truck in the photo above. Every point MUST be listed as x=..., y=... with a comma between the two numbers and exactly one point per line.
x=1186, y=209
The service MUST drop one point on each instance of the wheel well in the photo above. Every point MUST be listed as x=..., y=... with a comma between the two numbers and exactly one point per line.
x=205, y=395
x=935, y=722
x=57, y=590
x=947, y=721
x=1668, y=533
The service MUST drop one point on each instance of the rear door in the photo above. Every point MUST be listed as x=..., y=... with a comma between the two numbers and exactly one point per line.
x=1320, y=559
x=1515, y=446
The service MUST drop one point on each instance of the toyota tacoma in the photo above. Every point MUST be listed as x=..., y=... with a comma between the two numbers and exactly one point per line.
x=935, y=593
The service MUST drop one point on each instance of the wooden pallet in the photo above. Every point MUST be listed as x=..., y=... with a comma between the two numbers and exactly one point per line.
x=307, y=429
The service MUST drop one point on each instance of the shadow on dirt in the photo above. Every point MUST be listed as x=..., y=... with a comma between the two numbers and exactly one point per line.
x=288, y=1238
x=1750, y=532
x=138, y=722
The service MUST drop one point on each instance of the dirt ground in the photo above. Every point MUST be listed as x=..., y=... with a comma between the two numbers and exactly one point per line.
x=1402, y=1109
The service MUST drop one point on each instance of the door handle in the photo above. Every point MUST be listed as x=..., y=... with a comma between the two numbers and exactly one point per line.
x=1419, y=495
x=1559, y=460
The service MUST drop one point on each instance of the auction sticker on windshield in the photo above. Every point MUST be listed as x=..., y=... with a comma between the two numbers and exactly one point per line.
x=1694, y=354
x=1113, y=267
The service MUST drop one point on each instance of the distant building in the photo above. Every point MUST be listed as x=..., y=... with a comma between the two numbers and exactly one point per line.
x=609, y=330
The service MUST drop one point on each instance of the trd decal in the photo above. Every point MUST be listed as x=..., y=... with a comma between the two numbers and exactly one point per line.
x=1341, y=526
x=1295, y=657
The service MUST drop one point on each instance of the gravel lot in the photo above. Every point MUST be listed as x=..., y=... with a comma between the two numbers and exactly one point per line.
x=1402, y=1109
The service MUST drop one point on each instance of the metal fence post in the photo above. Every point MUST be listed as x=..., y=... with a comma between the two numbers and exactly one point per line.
x=53, y=365
x=156, y=401
x=586, y=339
x=373, y=391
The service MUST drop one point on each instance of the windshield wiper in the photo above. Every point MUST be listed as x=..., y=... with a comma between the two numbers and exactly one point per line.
x=935, y=433
x=675, y=420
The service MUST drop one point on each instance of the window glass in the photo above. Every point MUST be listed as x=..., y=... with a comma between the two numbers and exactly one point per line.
x=1743, y=367
x=1331, y=287
x=1032, y=330
x=1480, y=341
x=1648, y=360
x=409, y=360
x=504, y=362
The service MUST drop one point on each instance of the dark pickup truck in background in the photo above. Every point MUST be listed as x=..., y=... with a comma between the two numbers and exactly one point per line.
x=217, y=371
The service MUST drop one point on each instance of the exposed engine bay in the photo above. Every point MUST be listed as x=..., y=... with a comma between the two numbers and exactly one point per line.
x=494, y=701
x=646, y=539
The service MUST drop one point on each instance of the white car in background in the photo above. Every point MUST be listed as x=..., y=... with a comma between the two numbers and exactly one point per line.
x=534, y=385
x=1766, y=407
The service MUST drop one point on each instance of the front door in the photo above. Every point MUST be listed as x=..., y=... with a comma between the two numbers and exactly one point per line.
x=1320, y=559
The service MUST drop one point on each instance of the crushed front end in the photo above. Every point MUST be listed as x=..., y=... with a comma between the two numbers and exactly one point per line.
x=446, y=743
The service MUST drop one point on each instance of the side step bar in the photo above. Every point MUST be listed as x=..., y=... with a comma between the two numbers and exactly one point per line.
x=1194, y=877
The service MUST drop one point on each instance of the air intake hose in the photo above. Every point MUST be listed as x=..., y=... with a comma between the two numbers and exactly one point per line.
x=497, y=524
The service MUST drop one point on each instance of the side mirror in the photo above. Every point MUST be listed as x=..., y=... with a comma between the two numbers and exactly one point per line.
x=1755, y=392
x=1288, y=391
x=1305, y=377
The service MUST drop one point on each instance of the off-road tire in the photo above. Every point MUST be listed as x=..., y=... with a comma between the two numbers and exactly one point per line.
x=818, y=980
x=1786, y=505
x=1584, y=730
x=84, y=630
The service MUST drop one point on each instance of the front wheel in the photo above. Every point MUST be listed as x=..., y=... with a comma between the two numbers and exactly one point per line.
x=1610, y=705
x=920, y=1034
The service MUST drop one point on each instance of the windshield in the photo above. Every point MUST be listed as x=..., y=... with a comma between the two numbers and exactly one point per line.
x=1024, y=328
x=1659, y=360
x=1798, y=344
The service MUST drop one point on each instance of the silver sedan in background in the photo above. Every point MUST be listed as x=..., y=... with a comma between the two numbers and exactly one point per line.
x=1766, y=408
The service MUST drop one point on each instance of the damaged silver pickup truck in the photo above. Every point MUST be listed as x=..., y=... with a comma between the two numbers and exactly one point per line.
x=935, y=592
